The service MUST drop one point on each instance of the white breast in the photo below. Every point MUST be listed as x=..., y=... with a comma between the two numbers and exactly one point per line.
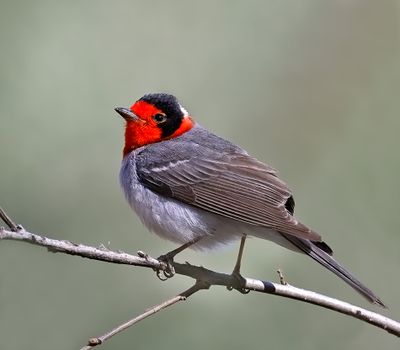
x=170, y=219
x=180, y=222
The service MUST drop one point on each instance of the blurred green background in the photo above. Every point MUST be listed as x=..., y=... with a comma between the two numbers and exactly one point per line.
x=310, y=87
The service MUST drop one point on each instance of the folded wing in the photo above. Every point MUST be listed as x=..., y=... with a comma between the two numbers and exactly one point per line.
x=235, y=186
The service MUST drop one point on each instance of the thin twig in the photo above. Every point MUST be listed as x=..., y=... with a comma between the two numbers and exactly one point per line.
x=281, y=277
x=7, y=220
x=149, y=312
x=101, y=339
x=202, y=274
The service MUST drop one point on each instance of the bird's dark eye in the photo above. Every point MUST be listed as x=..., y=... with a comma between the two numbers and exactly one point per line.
x=159, y=118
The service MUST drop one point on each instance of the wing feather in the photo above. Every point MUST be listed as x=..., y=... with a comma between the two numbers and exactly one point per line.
x=235, y=186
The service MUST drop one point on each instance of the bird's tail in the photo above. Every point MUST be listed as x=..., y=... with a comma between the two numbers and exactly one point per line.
x=321, y=253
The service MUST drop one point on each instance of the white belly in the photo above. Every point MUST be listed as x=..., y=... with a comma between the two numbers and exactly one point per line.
x=180, y=222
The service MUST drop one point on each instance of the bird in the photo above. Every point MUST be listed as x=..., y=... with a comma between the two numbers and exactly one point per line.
x=198, y=190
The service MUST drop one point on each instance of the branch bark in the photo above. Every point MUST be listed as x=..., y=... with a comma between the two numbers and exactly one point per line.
x=200, y=274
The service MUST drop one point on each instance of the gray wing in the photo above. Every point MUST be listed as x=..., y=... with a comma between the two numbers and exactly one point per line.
x=235, y=186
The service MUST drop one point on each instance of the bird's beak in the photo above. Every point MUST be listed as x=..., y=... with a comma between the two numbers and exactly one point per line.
x=126, y=114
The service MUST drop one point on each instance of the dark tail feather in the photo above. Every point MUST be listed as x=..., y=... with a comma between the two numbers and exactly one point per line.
x=322, y=257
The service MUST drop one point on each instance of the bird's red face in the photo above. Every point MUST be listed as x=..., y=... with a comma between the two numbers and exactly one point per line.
x=154, y=118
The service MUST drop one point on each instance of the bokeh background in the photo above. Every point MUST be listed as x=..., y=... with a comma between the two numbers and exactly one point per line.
x=310, y=87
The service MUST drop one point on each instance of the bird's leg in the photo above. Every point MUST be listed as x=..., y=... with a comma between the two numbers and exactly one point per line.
x=168, y=258
x=236, y=270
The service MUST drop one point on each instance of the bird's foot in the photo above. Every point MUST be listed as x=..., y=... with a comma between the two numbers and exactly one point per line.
x=169, y=272
x=239, y=283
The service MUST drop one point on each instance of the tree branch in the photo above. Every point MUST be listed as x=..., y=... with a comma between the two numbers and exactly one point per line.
x=149, y=312
x=200, y=274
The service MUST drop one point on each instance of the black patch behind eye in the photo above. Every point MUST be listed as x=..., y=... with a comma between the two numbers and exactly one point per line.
x=170, y=125
x=169, y=105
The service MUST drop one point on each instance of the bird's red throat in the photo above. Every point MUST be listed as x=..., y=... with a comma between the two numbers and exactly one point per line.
x=145, y=130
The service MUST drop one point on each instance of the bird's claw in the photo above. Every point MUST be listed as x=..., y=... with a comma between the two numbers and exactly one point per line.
x=161, y=276
x=169, y=271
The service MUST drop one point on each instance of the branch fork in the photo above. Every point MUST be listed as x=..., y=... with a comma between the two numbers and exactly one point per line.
x=204, y=279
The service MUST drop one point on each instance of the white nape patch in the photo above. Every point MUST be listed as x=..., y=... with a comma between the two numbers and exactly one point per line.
x=184, y=111
x=169, y=166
